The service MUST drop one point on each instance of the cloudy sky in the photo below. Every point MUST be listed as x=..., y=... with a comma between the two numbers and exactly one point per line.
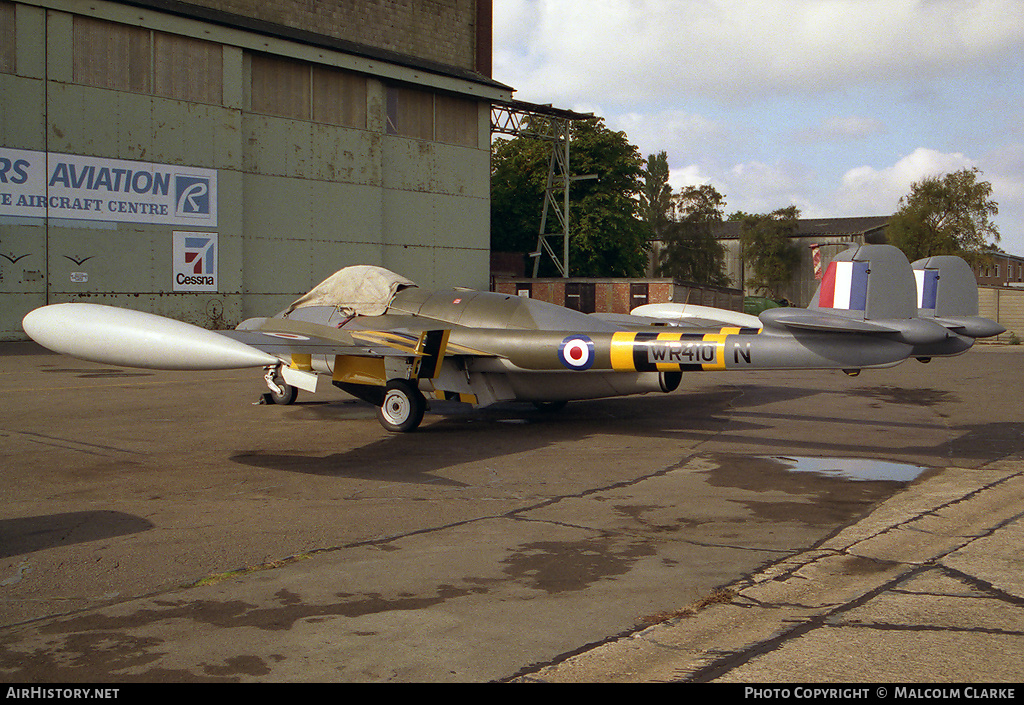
x=835, y=106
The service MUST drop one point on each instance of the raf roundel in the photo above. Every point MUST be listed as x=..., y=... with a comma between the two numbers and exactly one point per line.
x=577, y=352
x=287, y=336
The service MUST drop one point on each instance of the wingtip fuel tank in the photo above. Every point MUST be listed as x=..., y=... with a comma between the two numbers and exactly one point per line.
x=124, y=337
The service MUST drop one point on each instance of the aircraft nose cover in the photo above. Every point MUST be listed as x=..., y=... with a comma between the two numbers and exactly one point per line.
x=117, y=336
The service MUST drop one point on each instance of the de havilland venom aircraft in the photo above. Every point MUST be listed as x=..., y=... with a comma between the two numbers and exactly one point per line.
x=381, y=338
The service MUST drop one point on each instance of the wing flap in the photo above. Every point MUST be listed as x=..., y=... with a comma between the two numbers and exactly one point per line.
x=280, y=344
x=410, y=337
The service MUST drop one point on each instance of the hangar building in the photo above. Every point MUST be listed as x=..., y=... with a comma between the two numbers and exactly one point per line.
x=210, y=160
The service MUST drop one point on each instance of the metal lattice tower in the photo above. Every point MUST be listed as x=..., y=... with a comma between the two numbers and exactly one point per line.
x=542, y=122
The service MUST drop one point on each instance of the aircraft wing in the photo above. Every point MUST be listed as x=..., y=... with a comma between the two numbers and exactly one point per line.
x=694, y=315
x=117, y=336
x=388, y=335
x=629, y=321
x=281, y=337
x=286, y=344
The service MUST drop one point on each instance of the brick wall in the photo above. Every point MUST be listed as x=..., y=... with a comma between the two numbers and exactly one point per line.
x=437, y=30
x=612, y=296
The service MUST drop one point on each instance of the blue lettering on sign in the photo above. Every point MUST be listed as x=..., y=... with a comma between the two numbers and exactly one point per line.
x=16, y=169
x=109, y=179
x=192, y=195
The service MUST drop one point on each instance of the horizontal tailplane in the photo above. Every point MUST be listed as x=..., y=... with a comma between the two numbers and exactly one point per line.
x=947, y=293
x=866, y=290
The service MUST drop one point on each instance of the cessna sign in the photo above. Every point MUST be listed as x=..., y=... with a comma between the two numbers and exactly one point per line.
x=49, y=185
x=195, y=261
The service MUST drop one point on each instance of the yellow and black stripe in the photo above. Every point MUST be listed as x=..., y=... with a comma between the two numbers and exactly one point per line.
x=431, y=347
x=671, y=351
x=398, y=341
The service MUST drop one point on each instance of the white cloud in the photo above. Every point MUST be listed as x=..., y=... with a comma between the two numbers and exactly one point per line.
x=678, y=132
x=869, y=191
x=1004, y=168
x=754, y=187
x=692, y=175
x=775, y=104
x=652, y=49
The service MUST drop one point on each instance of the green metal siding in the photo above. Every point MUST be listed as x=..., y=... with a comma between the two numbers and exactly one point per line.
x=296, y=199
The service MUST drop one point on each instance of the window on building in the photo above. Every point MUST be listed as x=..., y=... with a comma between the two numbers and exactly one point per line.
x=339, y=97
x=304, y=91
x=280, y=87
x=110, y=55
x=410, y=112
x=422, y=114
x=8, y=47
x=188, y=69
x=455, y=120
x=128, y=58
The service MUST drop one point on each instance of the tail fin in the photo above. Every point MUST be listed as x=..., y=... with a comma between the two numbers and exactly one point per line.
x=866, y=289
x=874, y=290
x=947, y=292
x=868, y=282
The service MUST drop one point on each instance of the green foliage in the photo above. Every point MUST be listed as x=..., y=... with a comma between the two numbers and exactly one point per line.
x=768, y=249
x=685, y=225
x=947, y=215
x=518, y=175
x=656, y=198
x=691, y=252
x=606, y=236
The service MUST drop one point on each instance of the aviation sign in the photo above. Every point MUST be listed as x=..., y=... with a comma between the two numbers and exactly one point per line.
x=74, y=187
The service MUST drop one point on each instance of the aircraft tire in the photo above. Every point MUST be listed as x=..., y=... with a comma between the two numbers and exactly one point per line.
x=288, y=393
x=402, y=408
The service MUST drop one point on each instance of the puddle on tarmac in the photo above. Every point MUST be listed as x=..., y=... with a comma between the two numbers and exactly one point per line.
x=865, y=469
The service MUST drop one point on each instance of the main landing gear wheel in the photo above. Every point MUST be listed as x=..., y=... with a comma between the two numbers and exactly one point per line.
x=402, y=408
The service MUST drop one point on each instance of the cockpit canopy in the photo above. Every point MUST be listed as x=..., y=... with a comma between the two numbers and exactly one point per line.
x=361, y=290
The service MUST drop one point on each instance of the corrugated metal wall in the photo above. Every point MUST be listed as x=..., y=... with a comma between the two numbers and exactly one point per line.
x=1006, y=307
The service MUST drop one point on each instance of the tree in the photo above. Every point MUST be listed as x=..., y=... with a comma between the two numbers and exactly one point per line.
x=606, y=236
x=518, y=177
x=691, y=252
x=947, y=215
x=768, y=248
x=656, y=198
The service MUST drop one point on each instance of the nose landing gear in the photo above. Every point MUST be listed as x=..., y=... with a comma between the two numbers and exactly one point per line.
x=280, y=391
